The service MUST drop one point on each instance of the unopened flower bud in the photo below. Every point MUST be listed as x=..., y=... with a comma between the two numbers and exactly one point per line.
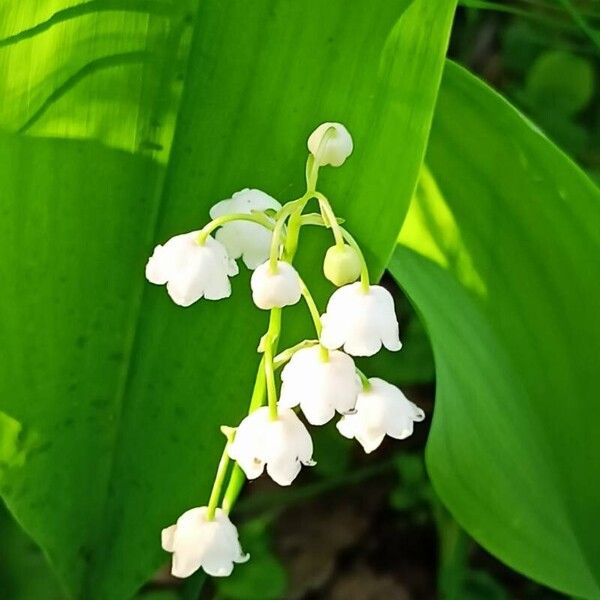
x=335, y=149
x=341, y=265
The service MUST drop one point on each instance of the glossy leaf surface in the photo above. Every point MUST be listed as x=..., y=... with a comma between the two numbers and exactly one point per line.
x=112, y=395
x=500, y=255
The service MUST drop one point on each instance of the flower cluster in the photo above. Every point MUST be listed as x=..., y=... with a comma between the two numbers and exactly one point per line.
x=319, y=377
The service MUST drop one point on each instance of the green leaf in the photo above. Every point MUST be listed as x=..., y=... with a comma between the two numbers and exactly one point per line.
x=101, y=69
x=412, y=491
x=416, y=366
x=263, y=577
x=502, y=262
x=24, y=574
x=119, y=394
x=334, y=451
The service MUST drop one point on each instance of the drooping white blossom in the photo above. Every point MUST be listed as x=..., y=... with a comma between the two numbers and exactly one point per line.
x=336, y=149
x=245, y=239
x=360, y=321
x=281, y=445
x=198, y=542
x=319, y=387
x=381, y=410
x=192, y=270
x=275, y=289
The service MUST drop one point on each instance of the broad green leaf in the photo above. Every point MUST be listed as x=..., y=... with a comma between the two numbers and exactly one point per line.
x=101, y=69
x=116, y=393
x=24, y=574
x=500, y=256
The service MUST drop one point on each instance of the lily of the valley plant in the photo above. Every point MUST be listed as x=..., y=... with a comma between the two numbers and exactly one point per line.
x=318, y=376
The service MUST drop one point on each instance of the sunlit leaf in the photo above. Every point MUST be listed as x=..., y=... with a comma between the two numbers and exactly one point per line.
x=119, y=394
x=500, y=256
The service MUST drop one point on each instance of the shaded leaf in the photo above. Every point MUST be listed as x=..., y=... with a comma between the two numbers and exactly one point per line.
x=263, y=577
x=24, y=573
x=502, y=262
x=560, y=82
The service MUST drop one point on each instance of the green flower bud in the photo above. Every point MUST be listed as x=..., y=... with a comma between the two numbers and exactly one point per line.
x=342, y=265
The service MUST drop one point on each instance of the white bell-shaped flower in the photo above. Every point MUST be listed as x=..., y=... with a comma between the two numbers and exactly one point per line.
x=283, y=445
x=320, y=387
x=249, y=240
x=336, y=149
x=197, y=542
x=192, y=270
x=360, y=321
x=275, y=289
x=381, y=410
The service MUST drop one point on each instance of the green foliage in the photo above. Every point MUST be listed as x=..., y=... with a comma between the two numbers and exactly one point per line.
x=115, y=393
x=24, y=573
x=550, y=71
x=558, y=86
x=332, y=449
x=504, y=271
x=159, y=595
x=414, y=496
x=560, y=82
x=416, y=365
x=413, y=492
x=263, y=577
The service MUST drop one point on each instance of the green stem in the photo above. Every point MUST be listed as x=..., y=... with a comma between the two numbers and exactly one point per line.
x=255, y=217
x=314, y=162
x=312, y=176
x=271, y=339
x=293, y=233
x=312, y=173
x=330, y=218
x=364, y=269
x=454, y=549
x=312, y=308
x=287, y=354
x=260, y=388
x=234, y=487
x=316, y=317
x=215, y=494
x=237, y=478
x=265, y=378
x=316, y=219
x=289, y=210
x=366, y=384
x=293, y=229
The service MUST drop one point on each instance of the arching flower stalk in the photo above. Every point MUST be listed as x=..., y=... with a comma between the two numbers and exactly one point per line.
x=318, y=375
